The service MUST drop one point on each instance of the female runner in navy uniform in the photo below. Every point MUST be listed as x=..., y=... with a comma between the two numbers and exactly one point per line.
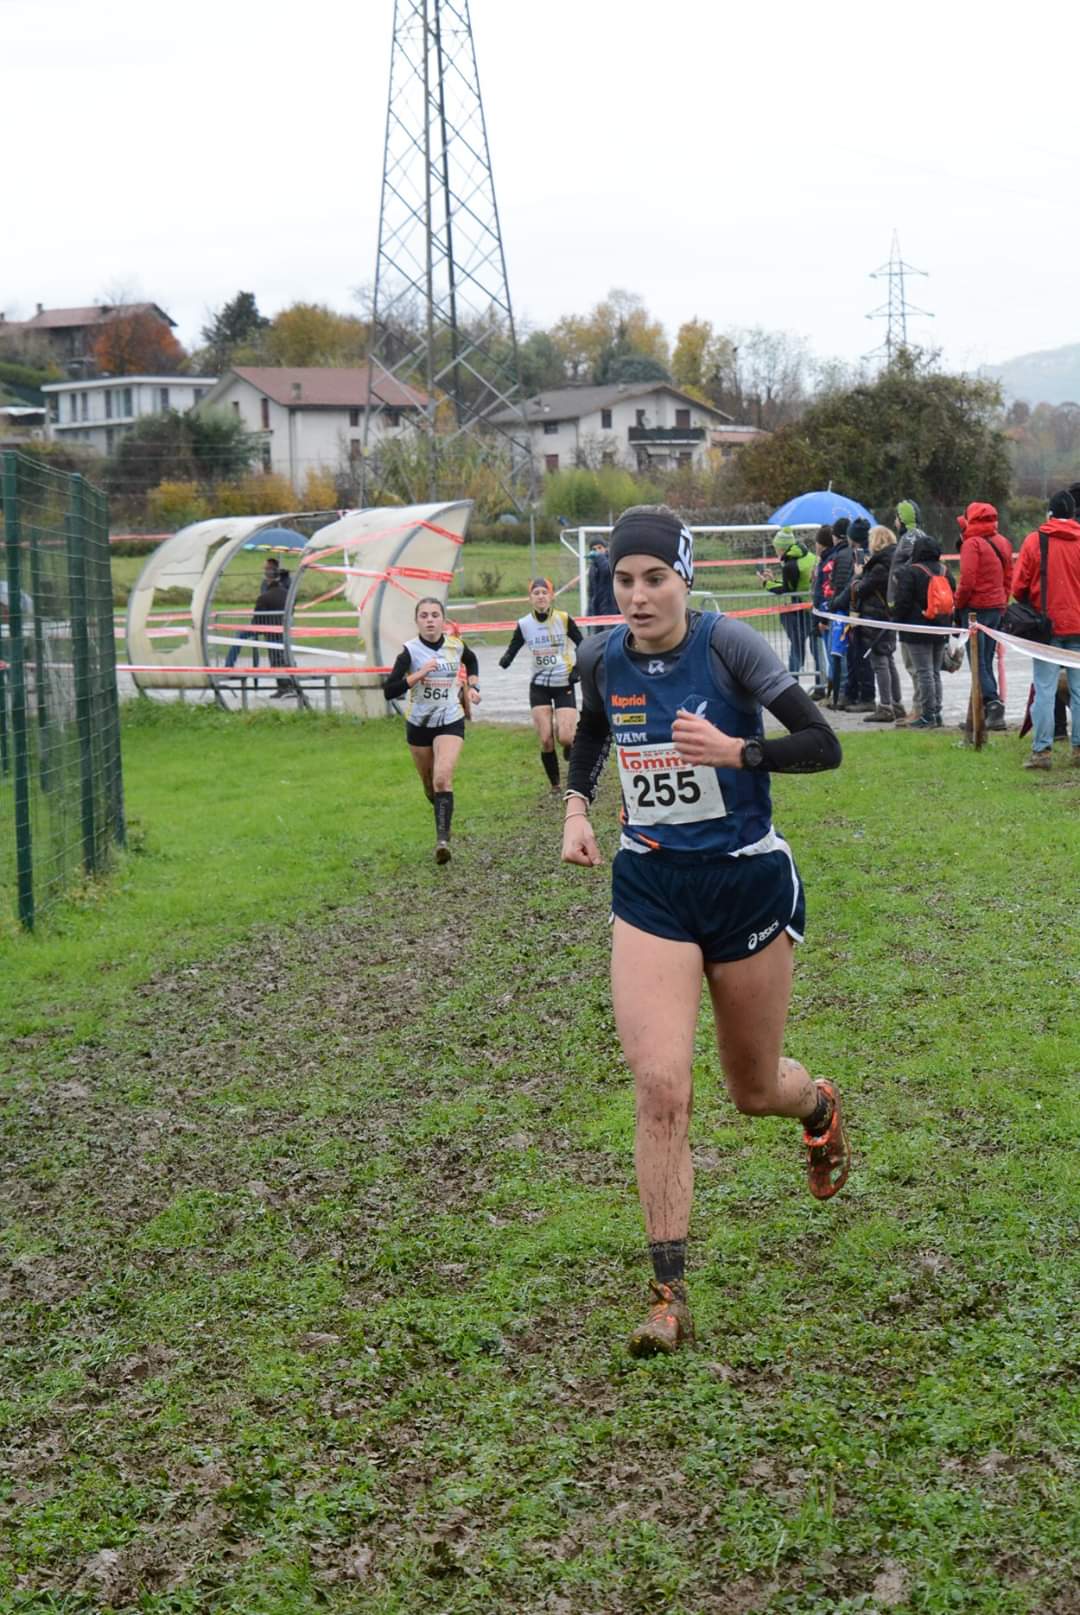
x=428, y=668
x=550, y=637
x=702, y=883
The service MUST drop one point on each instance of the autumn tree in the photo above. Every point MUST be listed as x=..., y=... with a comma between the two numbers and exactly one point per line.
x=312, y=334
x=137, y=343
x=914, y=432
x=617, y=328
x=702, y=360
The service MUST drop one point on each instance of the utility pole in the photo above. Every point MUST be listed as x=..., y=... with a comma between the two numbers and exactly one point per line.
x=897, y=308
x=442, y=320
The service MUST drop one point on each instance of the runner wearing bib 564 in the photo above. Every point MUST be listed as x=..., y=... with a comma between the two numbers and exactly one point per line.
x=429, y=669
x=702, y=883
x=551, y=638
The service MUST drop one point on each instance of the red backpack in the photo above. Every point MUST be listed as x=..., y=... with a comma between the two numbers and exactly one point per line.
x=940, y=604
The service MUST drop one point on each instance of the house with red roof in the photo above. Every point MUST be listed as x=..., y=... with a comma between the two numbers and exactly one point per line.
x=311, y=418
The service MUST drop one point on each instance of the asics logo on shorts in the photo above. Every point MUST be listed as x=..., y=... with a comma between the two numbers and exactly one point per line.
x=757, y=937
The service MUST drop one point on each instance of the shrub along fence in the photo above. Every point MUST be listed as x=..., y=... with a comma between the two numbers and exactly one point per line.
x=61, y=786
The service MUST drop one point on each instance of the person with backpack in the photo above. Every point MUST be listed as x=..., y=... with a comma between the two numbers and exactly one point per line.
x=1061, y=604
x=924, y=597
x=986, y=566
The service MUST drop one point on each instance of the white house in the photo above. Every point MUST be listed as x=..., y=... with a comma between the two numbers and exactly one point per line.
x=98, y=412
x=309, y=418
x=636, y=424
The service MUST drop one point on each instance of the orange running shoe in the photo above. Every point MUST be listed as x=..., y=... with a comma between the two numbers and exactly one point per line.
x=668, y=1323
x=828, y=1154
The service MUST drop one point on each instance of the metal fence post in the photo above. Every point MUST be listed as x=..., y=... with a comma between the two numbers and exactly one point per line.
x=96, y=551
x=24, y=853
x=80, y=655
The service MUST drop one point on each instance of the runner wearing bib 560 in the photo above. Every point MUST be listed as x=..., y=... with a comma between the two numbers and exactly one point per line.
x=551, y=638
x=702, y=883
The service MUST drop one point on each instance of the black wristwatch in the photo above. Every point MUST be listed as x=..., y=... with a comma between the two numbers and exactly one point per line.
x=752, y=754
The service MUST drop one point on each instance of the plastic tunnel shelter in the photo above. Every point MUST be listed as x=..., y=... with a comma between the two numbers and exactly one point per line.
x=381, y=560
x=192, y=559
x=390, y=558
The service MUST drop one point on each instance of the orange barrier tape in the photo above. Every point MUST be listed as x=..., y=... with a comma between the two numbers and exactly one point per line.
x=265, y=673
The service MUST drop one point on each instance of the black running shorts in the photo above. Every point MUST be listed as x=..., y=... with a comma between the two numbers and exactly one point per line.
x=552, y=695
x=423, y=734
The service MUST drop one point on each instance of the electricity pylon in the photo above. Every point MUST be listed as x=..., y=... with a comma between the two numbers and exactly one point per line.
x=896, y=309
x=442, y=320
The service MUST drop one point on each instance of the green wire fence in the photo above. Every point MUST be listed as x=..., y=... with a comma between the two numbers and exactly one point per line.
x=61, y=785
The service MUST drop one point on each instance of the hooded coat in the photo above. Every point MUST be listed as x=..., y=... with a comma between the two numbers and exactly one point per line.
x=986, y=560
x=1062, y=574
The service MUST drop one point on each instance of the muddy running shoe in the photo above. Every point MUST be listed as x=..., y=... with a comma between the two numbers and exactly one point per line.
x=442, y=852
x=668, y=1323
x=828, y=1154
x=1039, y=759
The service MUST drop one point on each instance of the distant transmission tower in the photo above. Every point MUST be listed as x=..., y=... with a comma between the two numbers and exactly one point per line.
x=442, y=318
x=897, y=308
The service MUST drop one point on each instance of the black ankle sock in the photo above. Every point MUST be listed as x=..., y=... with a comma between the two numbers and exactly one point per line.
x=668, y=1260
x=444, y=812
x=820, y=1117
x=566, y=753
x=551, y=767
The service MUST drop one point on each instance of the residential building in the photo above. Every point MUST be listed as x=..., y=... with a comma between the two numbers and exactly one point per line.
x=727, y=441
x=640, y=425
x=310, y=418
x=98, y=412
x=68, y=334
x=19, y=421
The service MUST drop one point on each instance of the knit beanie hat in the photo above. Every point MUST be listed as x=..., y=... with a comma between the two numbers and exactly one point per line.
x=1063, y=505
x=654, y=530
x=783, y=540
x=859, y=531
x=908, y=512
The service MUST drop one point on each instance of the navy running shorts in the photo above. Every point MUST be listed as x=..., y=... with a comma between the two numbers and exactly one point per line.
x=424, y=734
x=729, y=906
x=552, y=695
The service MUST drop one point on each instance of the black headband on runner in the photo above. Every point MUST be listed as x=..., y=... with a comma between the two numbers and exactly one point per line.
x=654, y=532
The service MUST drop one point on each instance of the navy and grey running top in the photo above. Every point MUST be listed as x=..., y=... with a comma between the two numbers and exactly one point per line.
x=667, y=803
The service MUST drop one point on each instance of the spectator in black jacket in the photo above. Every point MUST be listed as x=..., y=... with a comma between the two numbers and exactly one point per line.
x=912, y=584
x=859, y=685
x=869, y=594
x=601, y=595
x=270, y=613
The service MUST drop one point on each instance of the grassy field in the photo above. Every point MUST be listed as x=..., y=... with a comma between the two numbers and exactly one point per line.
x=321, y=1241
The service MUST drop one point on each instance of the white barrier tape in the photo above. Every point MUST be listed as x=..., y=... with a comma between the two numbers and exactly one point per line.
x=1058, y=654
x=876, y=625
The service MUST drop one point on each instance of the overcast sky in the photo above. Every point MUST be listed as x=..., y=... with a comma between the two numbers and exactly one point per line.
x=745, y=163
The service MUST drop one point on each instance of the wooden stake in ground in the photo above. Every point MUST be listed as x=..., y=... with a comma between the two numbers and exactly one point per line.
x=978, y=711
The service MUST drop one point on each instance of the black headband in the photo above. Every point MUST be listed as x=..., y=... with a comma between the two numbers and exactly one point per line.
x=654, y=532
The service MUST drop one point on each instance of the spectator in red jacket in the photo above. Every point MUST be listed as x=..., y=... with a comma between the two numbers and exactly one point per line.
x=986, y=565
x=1062, y=606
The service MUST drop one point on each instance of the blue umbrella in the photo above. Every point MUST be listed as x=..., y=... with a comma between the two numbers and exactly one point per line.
x=276, y=538
x=820, y=507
